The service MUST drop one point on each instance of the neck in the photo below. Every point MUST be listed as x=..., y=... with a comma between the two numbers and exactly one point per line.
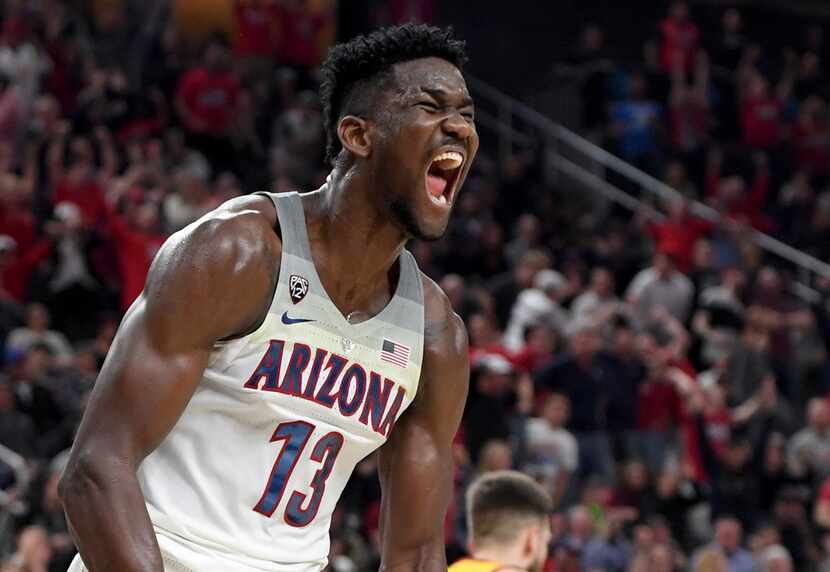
x=508, y=557
x=356, y=241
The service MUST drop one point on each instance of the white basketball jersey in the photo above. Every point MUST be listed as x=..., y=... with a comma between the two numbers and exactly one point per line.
x=250, y=474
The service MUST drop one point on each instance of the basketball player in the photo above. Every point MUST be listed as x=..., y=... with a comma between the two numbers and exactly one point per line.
x=282, y=338
x=508, y=519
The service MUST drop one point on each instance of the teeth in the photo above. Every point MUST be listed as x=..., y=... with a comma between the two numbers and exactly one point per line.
x=439, y=200
x=449, y=160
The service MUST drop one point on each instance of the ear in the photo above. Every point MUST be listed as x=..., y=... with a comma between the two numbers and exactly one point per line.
x=353, y=133
x=531, y=541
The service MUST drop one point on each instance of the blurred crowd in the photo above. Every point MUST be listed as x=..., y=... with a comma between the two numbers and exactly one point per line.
x=654, y=371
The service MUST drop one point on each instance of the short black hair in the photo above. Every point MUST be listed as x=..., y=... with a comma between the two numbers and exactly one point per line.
x=372, y=56
x=501, y=504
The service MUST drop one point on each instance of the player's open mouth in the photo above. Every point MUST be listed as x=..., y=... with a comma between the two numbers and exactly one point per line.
x=442, y=176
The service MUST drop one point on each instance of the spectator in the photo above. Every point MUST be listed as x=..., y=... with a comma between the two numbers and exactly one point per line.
x=206, y=102
x=579, y=375
x=662, y=285
x=808, y=452
x=761, y=114
x=552, y=454
x=599, y=300
x=506, y=287
x=680, y=39
x=537, y=305
x=679, y=233
x=635, y=122
x=728, y=533
x=37, y=332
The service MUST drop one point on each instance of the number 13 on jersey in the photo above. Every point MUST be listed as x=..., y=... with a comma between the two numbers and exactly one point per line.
x=294, y=437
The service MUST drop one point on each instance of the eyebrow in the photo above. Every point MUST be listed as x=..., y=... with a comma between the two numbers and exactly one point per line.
x=444, y=95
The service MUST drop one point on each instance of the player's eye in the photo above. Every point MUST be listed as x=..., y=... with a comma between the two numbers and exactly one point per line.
x=468, y=115
x=428, y=105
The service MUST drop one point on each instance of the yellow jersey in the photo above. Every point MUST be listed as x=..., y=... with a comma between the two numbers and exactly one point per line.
x=473, y=565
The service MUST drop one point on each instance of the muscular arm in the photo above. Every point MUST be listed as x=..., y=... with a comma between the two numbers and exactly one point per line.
x=193, y=297
x=416, y=463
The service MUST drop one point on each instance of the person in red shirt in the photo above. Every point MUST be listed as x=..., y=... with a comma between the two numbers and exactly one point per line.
x=761, y=113
x=680, y=38
x=729, y=195
x=812, y=138
x=678, y=233
x=689, y=107
x=257, y=27
x=137, y=239
x=207, y=94
x=79, y=184
x=299, y=34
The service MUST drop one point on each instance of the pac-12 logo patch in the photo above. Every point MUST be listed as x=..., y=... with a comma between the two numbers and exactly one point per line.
x=297, y=287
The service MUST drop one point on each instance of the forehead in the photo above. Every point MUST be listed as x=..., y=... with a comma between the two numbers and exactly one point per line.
x=433, y=74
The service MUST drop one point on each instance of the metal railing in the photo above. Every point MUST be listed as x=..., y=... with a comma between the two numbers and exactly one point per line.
x=579, y=159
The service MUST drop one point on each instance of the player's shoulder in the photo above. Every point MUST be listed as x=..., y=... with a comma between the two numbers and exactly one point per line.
x=445, y=335
x=241, y=230
x=234, y=244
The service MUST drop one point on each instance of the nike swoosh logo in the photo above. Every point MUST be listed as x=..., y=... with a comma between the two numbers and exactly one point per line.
x=289, y=321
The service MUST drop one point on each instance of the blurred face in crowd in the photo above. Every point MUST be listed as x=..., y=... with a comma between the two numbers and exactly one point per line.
x=482, y=330
x=453, y=287
x=580, y=523
x=758, y=86
x=663, y=265
x=818, y=415
x=702, y=254
x=37, y=361
x=728, y=534
x=639, y=87
x=602, y=282
x=38, y=318
x=541, y=339
x=217, y=57
x=679, y=11
x=495, y=456
x=635, y=475
x=528, y=228
x=675, y=174
x=585, y=343
x=624, y=341
x=732, y=20
x=556, y=410
x=147, y=217
x=662, y=559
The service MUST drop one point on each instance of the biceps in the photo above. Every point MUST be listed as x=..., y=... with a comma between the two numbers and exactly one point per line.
x=140, y=393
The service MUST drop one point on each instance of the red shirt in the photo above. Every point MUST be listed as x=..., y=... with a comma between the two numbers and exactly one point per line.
x=16, y=275
x=256, y=28
x=298, y=40
x=761, y=122
x=210, y=97
x=136, y=250
x=85, y=194
x=812, y=143
x=678, y=238
x=680, y=40
x=19, y=225
x=658, y=406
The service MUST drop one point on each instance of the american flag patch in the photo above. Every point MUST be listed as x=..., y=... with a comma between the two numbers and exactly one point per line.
x=395, y=353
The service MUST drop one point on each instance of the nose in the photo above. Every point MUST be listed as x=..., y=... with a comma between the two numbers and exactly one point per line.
x=457, y=125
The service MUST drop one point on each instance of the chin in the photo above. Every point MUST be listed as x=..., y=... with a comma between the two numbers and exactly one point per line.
x=417, y=226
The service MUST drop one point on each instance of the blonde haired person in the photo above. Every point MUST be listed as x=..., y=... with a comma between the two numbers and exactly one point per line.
x=508, y=518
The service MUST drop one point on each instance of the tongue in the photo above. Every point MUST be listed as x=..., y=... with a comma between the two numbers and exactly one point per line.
x=436, y=185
